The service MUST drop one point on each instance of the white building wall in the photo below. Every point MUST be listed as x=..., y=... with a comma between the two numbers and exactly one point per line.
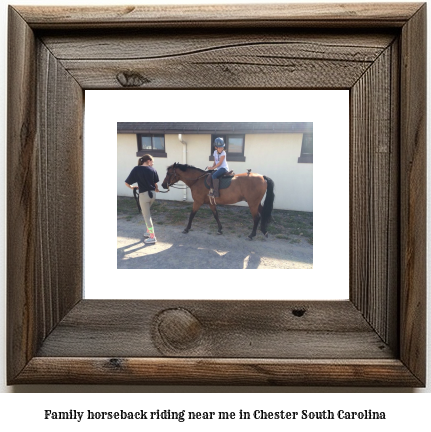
x=273, y=155
x=276, y=156
x=126, y=160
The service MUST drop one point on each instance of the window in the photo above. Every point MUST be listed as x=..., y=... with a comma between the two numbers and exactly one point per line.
x=306, y=149
x=234, y=147
x=151, y=144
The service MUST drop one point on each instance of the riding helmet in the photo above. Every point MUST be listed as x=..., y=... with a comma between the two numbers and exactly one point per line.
x=219, y=142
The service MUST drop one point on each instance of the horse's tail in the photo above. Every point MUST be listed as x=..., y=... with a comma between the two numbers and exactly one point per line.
x=268, y=204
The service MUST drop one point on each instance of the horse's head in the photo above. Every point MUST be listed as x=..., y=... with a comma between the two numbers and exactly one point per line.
x=171, y=176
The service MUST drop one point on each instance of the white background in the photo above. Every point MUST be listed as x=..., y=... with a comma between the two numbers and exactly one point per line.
x=17, y=410
x=329, y=112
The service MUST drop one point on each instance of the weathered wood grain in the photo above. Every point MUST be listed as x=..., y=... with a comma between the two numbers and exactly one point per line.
x=232, y=329
x=59, y=183
x=313, y=14
x=413, y=194
x=329, y=372
x=262, y=67
x=392, y=303
x=139, y=45
x=54, y=336
x=199, y=71
x=45, y=107
x=227, y=59
x=374, y=194
x=21, y=196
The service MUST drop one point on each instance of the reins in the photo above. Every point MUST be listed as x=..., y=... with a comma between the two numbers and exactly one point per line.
x=185, y=178
x=173, y=187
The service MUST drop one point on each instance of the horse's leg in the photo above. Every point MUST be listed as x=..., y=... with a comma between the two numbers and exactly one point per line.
x=195, y=208
x=260, y=210
x=256, y=218
x=215, y=213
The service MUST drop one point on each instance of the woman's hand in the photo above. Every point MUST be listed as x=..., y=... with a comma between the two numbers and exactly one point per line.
x=131, y=187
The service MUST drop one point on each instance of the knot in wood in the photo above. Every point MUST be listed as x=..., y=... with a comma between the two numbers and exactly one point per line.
x=131, y=79
x=178, y=329
x=115, y=363
x=298, y=312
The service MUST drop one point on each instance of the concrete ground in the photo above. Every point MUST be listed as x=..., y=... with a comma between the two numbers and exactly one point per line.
x=205, y=249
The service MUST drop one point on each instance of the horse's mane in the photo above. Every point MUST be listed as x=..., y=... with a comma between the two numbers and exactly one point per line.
x=185, y=167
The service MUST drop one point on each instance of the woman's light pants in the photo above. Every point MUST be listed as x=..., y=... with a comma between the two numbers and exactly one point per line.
x=146, y=202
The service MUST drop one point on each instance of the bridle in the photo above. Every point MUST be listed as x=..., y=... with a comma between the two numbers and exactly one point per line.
x=171, y=184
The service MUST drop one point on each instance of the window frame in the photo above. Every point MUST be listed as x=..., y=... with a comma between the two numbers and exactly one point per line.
x=305, y=157
x=152, y=152
x=231, y=157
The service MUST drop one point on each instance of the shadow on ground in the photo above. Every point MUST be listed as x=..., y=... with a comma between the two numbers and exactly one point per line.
x=200, y=249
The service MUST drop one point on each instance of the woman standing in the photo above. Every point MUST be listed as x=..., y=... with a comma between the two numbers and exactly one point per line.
x=147, y=178
x=220, y=165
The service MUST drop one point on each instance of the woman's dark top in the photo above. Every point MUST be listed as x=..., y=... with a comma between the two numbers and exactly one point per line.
x=145, y=176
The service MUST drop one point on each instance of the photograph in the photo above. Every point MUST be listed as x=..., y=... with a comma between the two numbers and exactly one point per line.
x=211, y=195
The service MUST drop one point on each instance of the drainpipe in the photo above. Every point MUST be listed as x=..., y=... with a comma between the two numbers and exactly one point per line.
x=184, y=143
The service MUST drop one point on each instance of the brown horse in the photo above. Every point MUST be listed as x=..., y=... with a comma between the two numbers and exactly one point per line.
x=244, y=187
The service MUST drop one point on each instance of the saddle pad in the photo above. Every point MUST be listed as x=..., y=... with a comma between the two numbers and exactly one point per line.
x=224, y=182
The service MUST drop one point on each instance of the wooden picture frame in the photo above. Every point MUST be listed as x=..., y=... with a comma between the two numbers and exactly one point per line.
x=376, y=338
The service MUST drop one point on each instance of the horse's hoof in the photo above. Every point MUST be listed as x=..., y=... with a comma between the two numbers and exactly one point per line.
x=219, y=232
x=266, y=234
x=185, y=231
x=250, y=238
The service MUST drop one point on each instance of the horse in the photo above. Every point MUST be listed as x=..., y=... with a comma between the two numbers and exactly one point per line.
x=247, y=187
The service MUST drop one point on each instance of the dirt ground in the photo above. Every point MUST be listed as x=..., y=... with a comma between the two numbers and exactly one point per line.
x=203, y=247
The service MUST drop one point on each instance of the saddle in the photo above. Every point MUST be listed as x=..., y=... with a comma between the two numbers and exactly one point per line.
x=225, y=180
